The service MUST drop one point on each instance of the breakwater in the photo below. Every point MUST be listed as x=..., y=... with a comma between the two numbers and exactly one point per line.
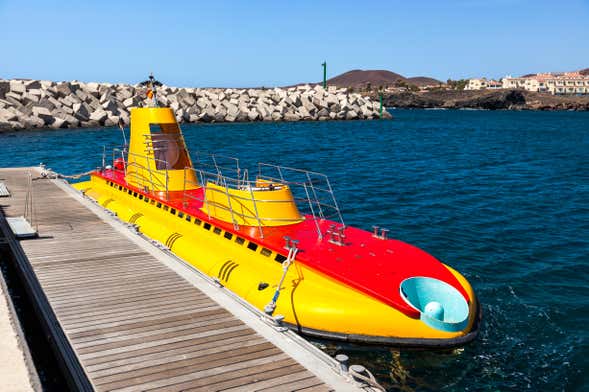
x=503, y=99
x=26, y=104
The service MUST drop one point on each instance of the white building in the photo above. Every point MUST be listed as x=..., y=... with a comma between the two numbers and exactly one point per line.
x=482, y=84
x=554, y=83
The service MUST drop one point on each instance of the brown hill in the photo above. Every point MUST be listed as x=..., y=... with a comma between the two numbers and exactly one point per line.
x=584, y=71
x=423, y=81
x=358, y=78
x=376, y=78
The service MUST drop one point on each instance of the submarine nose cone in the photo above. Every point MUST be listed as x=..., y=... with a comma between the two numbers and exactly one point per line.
x=434, y=310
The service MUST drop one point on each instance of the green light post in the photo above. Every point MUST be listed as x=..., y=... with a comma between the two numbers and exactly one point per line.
x=324, y=64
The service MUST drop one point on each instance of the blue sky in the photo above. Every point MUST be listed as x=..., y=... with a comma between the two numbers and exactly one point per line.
x=268, y=43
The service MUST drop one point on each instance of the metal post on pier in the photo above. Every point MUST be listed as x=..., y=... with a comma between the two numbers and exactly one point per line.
x=324, y=64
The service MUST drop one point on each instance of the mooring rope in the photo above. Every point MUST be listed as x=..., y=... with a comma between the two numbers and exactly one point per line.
x=370, y=380
x=50, y=174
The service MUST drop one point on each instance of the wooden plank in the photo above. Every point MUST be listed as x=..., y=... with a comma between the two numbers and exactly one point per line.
x=152, y=324
x=204, y=348
x=178, y=361
x=116, y=323
x=91, y=312
x=174, y=339
x=144, y=336
x=249, y=379
x=212, y=382
x=143, y=382
x=163, y=326
x=300, y=377
x=162, y=349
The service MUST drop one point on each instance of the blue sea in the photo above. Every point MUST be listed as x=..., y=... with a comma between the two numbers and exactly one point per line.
x=501, y=196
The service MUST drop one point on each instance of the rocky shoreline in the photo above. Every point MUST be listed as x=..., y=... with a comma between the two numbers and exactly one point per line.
x=26, y=104
x=486, y=99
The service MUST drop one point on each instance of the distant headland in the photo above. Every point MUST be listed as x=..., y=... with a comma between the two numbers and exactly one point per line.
x=540, y=91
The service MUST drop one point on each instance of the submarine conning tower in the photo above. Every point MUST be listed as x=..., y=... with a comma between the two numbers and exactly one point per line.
x=158, y=161
x=157, y=157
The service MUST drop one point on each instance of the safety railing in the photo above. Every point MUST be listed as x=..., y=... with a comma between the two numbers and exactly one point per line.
x=143, y=176
x=311, y=188
x=311, y=191
x=224, y=187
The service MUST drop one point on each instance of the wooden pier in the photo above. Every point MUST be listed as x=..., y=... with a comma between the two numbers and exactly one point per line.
x=125, y=315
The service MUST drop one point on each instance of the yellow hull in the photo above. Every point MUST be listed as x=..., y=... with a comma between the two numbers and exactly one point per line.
x=309, y=300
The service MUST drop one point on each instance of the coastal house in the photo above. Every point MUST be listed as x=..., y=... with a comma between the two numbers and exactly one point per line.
x=554, y=83
x=482, y=84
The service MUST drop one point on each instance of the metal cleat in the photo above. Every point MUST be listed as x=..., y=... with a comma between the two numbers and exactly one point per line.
x=383, y=233
x=375, y=231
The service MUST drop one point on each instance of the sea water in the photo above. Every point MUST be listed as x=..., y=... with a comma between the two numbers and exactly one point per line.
x=501, y=196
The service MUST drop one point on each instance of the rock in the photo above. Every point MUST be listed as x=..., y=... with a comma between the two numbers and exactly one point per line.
x=44, y=114
x=4, y=88
x=41, y=110
x=98, y=116
x=70, y=100
x=230, y=118
x=26, y=98
x=124, y=93
x=45, y=84
x=232, y=110
x=92, y=88
x=162, y=99
x=304, y=113
x=111, y=121
x=289, y=116
x=323, y=113
x=54, y=102
x=351, y=115
x=207, y=115
x=130, y=102
x=35, y=91
x=63, y=90
x=32, y=84
x=202, y=103
x=253, y=115
x=33, y=122
x=7, y=115
x=13, y=95
x=17, y=86
x=111, y=106
x=58, y=123
x=81, y=111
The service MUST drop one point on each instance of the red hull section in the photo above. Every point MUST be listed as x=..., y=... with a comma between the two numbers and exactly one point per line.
x=371, y=265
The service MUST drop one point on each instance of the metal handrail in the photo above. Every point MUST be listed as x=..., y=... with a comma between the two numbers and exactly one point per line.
x=315, y=186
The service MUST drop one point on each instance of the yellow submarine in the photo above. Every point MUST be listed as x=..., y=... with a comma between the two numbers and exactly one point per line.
x=278, y=241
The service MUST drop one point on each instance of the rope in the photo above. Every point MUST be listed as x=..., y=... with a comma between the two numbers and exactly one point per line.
x=50, y=174
x=292, y=253
x=370, y=380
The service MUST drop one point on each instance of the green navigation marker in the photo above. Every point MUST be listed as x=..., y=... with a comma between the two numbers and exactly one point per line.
x=324, y=64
